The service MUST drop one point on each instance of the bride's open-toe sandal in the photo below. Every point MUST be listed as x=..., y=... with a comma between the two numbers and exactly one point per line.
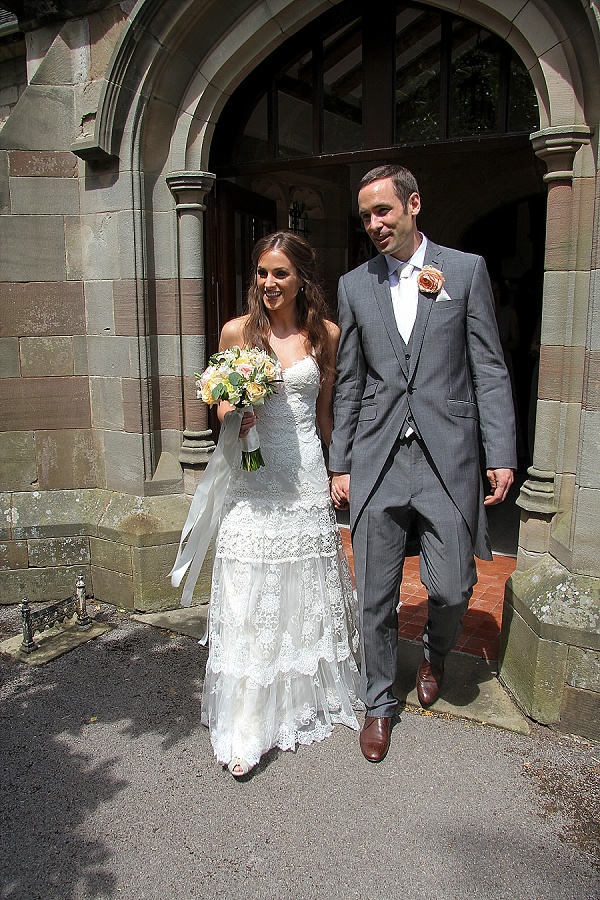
x=238, y=767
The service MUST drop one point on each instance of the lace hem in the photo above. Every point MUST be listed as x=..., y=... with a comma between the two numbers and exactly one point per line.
x=247, y=720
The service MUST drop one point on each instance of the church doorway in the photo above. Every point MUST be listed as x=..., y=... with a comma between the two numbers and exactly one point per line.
x=427, y=89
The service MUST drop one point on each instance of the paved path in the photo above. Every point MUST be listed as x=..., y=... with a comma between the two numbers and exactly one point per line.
x=110, y=790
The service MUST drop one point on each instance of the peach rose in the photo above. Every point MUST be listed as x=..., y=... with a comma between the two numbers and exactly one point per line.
x=256, y=393
x=271, y=370
x=430, y=280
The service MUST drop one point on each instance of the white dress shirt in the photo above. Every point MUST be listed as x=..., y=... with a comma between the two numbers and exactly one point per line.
x=404, y=288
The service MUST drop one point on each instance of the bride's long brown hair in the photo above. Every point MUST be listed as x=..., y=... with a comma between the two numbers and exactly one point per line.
x=311, y=308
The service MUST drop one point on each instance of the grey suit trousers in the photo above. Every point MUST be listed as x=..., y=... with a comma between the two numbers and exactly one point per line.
x=409, y=489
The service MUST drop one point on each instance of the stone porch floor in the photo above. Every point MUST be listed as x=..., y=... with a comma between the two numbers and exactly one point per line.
x=482, y=621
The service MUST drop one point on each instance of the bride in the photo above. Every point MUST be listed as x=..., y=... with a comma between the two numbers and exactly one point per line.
x=282, y=663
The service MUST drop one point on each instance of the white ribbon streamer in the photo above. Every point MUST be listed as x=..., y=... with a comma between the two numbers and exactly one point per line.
x=205, y=511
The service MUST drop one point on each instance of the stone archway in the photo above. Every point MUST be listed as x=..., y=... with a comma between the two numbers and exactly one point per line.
x=168, y=81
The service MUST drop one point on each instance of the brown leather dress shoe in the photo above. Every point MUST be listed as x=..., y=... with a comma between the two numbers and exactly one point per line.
x=429, y=682
x=375, y=738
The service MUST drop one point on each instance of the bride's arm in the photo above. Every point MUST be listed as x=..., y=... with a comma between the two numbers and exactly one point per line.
x=325, y=398
x=232, y=335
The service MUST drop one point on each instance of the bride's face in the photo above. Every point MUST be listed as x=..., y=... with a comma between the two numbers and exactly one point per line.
x=277, y=280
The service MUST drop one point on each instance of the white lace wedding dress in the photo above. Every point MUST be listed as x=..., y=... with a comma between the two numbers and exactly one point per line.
x=282, y=637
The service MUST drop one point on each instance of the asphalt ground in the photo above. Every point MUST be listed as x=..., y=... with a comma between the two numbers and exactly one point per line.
x=110, y=789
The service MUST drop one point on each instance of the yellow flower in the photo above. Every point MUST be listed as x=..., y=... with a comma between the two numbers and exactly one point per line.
x=271, y=370
x=256, y=393
x=208, y=386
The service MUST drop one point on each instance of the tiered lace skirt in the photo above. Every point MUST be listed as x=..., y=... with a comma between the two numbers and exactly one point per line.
x=282, y=667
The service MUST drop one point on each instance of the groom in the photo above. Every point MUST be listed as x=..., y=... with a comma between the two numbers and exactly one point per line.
x=421, y=382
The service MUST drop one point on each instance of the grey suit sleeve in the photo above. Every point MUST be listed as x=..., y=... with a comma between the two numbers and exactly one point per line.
x=490, y=377
x=349, y=385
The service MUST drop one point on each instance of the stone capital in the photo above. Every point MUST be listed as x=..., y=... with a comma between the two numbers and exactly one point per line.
x=189, y=189
x=197, y=448
x=557, y=146
x=537, y=493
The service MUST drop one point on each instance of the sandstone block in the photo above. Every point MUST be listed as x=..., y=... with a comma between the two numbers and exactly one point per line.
x=124, y=460
x=99, y=235
x=45, y=403
x=194, y=354
x=111, y=555
x=107, y=403
x=586, y=537
x=163, y=295
x=111, y=356
x=56, y=583
x=44, y=119
x=192, y=306
x=144, y=521
x=132, y=410
x=41, y=308
x=153, y=589
x=125, y=300
x=50, y=164
x=17, y=460
x=4, y=192
x=69, y=460
x=50, y=514
x=75, y=270
x=44, y=196
x=583, y=669
x=169, y=396
x=13, y=555
x=80, y=355
x=9, y=357
x=99, y=312
x=113, y=587
x=531, y=668
x=588, y=470
x=65, y=551
x=580, y=713
x=46, y=356
x=7, y=516
x=592, y=392
x=46, y=234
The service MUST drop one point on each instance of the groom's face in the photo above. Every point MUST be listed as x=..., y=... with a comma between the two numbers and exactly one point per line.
x=390, y=225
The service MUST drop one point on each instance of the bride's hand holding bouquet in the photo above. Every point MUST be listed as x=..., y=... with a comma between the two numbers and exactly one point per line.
x=244, y=377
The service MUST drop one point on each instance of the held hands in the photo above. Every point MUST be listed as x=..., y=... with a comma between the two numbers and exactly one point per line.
x=500, y=481
x=340, y=491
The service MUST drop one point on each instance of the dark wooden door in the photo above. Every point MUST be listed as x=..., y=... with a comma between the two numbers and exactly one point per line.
x=236, y=218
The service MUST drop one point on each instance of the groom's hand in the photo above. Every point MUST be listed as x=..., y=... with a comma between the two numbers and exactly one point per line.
x=500, y=481
x=340, y=490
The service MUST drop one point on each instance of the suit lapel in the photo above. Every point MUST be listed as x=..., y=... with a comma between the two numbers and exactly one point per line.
x=433, y=256
x=381, y=286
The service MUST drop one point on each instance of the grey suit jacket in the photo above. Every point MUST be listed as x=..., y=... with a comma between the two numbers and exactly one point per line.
x=455, y=382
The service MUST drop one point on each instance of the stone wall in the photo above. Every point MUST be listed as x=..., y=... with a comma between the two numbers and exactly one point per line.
x=13, y=75
x=90, y=416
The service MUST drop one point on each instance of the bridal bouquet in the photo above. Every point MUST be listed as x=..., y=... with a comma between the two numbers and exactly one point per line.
x=244, y=377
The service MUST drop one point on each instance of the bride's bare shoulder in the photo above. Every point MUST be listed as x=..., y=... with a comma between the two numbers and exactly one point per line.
x=232, y=332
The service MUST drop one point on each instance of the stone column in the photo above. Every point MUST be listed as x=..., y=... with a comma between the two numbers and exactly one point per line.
x=559, y=362
x=550, y=642
x=189, y=190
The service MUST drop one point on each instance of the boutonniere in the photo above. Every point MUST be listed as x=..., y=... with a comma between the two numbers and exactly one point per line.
x=430, y=280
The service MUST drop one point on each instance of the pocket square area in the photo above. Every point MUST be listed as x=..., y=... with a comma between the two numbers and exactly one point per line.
x=443, y=295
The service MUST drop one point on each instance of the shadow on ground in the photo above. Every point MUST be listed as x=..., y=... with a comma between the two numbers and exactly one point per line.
x=135, y=679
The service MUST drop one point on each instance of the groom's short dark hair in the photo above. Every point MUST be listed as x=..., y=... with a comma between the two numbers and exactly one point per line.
x=403, y=180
